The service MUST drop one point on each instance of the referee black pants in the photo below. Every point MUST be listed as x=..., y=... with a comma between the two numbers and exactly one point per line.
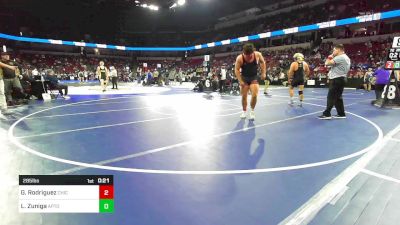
x=114, y=81
x=221, y=86
x=378, y=90
x=60, y=89
x=336, y=87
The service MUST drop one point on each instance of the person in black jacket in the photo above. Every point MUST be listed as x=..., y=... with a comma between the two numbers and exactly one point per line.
x=11, y=79
x=3, y=102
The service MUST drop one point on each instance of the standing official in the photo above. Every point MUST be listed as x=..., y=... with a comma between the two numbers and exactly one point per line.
x=114, y=77
x=340, y=66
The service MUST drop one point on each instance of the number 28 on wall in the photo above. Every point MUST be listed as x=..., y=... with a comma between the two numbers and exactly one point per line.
x=392, y=92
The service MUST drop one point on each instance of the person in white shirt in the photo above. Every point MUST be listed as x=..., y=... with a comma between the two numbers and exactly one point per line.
x=340, y=67
x=35, y=72
x=86, y=75
x=222, y=80
x=114, y=77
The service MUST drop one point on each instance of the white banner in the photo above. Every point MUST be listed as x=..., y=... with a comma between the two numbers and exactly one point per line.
x=396, y=42
x=311, y=82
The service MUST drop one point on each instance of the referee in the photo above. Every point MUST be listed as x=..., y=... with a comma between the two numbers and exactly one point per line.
x=340, y=66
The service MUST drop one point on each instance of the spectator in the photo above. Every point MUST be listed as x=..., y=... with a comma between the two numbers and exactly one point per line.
x=81, y=77
x=149, y=78
x=156, y=76
x=179, y=76
x=35, y=72
x=11, y=80
x=222, y=80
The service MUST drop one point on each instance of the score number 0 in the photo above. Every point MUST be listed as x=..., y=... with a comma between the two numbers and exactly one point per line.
x=106, y=206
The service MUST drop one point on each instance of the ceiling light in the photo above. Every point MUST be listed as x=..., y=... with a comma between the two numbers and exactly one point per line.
x=153, y=7
x=181, y=2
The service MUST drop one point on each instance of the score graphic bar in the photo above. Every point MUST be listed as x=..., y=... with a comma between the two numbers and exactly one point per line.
x=66, y=194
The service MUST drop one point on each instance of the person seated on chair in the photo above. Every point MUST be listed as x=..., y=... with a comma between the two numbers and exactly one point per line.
x=55, y=83
x=26, y=83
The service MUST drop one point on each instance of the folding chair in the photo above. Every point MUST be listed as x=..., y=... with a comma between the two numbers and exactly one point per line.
x=54, y=93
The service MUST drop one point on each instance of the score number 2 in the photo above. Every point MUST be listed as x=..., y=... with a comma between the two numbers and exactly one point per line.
x=106, y=193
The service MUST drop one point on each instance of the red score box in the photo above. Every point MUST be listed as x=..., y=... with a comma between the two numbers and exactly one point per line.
x=106, y=192
x=389, y=65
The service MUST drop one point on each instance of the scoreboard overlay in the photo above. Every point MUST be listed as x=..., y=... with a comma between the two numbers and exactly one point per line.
x=66, y=194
